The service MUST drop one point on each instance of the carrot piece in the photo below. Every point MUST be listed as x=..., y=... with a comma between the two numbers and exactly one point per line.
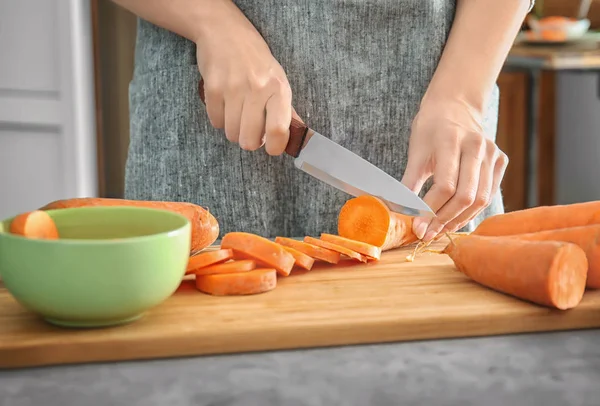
x=264, y=251
x=540, y=219
x=549, y=273
x=322, y=254
x=302, y=260
x=337, y=248
x=586, y=237
x=242, y=265
x=208, y=258
x=367, y=219
x=368, y=250
x=34, y=224
x=205, y=228
x=243, y=283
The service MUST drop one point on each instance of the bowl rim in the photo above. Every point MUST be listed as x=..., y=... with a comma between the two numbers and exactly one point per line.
x=120, y=241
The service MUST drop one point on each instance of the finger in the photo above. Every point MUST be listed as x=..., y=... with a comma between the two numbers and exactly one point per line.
x=483, y=195
x=215, y=105
x=233, y=115
x=466, y=190
x=415, y=174
x=279, y=117
x=252, y=122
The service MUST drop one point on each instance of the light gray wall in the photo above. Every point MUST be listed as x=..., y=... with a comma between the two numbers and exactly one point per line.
x=578, y=137
x=47, y=127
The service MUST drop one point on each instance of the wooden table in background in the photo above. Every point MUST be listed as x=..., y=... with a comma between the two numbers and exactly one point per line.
x=534, y=153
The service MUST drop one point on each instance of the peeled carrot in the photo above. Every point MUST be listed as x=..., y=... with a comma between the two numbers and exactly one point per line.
x=208, y=258
x=367, y=219
x=242, y=265
x=34, y=224
x=243, y=283
x=264, y=251
x=549, y=273
x=368, y=250
x=205, y=228
x=302, y=260
x=586, y=237
x=337, y=248
x=320, y=253
x=540, y=219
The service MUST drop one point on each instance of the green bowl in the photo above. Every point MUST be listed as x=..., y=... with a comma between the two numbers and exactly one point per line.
x=110, y=265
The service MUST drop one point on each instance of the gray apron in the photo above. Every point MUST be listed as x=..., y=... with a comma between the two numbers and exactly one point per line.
x=358, y=71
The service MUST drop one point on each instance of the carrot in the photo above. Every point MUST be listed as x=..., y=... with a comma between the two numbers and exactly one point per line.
x=264, y=251
x=208, y=258
x=549, y=273
x=337, y=248
x=239, y=266
x=34, y=224
x=243, y=283
x=205, y=228
x=367, y=219
x=586, y=237
x=302, y=260
x=319, y=253
x=368, y=250
x=540, y=219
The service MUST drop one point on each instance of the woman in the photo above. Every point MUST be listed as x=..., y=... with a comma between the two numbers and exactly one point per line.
x=408, y=85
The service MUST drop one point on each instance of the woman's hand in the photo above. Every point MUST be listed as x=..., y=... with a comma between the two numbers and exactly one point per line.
x=246, y=89
x=448, y=142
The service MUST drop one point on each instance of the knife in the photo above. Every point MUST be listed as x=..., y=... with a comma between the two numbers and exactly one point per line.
x=335, y=165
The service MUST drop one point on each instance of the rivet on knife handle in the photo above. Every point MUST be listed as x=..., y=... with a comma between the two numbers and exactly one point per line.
x=298, y=130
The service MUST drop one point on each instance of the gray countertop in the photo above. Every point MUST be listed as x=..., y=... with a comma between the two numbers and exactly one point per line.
x=534, y=369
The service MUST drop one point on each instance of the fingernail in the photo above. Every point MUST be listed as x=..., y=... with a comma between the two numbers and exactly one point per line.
x=420, y=229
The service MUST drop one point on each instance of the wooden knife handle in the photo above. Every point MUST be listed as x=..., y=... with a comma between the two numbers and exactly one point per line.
x=298, y=130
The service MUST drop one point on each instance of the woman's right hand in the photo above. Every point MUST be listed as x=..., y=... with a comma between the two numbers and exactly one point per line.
x=246, y=90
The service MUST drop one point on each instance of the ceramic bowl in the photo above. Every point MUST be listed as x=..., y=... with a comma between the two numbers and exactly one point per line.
x=572, y=29
x=109, y=266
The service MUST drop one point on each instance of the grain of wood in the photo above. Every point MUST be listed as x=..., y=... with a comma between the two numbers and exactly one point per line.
x=351, y=303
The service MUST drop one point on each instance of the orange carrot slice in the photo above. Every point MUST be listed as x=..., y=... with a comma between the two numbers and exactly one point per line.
x=367, y=250
x=262, y=250
x=34, y=224
x=337, y=248
x=319, y=253
x=302, y=260
x=367, y=219
x=209, y=258
x=549, y=273
x=243, y=265
x=243, y=283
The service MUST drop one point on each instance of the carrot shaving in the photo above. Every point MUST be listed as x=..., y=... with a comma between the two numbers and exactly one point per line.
x=335, y=247
x=368, y=250
x=208, y=258
x=263, y=251
x=243, y=265
x=34, y=224
x=319, y=253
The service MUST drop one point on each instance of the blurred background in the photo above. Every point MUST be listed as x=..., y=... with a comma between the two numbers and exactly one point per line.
x=65, y=67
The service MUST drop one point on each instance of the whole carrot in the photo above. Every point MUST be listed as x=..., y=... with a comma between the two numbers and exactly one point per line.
x=549, y=273
x=586, y=237
x=540, y=219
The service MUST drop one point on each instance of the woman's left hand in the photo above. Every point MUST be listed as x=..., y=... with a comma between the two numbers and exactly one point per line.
x=448, y=142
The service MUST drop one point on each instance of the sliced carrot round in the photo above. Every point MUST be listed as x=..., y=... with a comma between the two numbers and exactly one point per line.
x=319, y=253
x=34, y=224
x=233, y=284
x=337, y=248
x=302, y=260
x=208, y=258
x=367, y=250
x=263, y=251
x=243, y=265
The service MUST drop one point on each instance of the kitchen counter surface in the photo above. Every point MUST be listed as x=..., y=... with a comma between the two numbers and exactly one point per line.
x=530, y=369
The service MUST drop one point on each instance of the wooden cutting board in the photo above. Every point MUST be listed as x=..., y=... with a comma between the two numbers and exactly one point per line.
x=392, y=300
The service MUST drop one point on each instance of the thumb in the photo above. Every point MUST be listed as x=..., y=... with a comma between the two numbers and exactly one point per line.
x=415, y=174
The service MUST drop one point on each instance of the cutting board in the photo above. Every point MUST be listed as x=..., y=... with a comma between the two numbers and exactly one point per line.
x=392, y=300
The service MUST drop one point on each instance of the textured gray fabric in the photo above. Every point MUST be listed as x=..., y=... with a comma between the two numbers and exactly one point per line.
x=553, y=369
x=358, y=70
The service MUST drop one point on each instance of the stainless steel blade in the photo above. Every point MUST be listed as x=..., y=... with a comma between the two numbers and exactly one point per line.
x=346, y=171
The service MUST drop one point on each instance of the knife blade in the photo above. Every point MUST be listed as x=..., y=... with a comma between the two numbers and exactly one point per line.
x=339, y=167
